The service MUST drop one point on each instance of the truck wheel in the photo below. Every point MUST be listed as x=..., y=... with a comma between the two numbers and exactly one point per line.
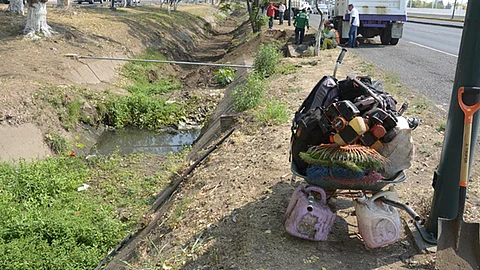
x=394, y=41
x=385, y=37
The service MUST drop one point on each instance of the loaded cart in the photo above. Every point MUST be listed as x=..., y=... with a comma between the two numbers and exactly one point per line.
x=348, y=138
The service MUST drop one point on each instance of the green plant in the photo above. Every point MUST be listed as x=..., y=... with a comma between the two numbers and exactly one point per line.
x=294, y=89
x=257, y=19
x=442, y=127
x=274, y=112
x=288, y=69
x=266, y=60
x=147, y=76
x=249, y=94
x=419, y=106
x=392, y=78
x=56, y=142
x=225, y=75
x=142, y=111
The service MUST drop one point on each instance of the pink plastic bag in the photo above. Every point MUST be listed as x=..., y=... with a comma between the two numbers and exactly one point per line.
x=309, y=220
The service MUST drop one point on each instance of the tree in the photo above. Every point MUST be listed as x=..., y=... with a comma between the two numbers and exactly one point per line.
x=16, y=6
x=66, y=4
x=257, y=20
x=37, y=19
x=321, y=25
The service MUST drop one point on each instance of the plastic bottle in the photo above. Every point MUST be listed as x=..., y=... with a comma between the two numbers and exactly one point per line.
x=378, y=224
x=351, y=132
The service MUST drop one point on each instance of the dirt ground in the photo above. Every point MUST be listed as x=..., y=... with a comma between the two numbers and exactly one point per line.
x=229, y=213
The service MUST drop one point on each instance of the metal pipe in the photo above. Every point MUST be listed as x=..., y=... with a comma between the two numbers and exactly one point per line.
x=400, y=205
x=76, y=56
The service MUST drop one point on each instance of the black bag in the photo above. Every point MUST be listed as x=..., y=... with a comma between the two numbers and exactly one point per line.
x=348, y=90
x=306, y=125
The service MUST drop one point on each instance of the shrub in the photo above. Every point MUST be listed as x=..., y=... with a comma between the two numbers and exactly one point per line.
x=45, y=223
x=224, y=75
x=142, y=111
x=250, y=93
x=274, y=112
x=266, y=60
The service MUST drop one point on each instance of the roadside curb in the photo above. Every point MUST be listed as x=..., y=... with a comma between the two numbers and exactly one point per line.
x=434, y=23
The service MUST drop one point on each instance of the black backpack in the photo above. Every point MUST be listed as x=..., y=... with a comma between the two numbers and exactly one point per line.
x=306, y=129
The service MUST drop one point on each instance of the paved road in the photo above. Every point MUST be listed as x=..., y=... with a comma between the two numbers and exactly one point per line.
x=425, y=59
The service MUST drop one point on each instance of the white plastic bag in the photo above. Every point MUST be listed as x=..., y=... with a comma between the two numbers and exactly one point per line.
x=400, y=151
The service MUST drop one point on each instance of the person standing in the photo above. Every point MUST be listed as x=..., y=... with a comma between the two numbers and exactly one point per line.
x=281, y=12
x=300, y=22
x=271, y=13
x=354, y=24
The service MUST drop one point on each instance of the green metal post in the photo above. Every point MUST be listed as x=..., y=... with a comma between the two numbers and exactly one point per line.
x=446, y=178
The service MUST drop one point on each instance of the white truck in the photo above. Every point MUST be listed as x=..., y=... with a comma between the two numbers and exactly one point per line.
x=384, y=18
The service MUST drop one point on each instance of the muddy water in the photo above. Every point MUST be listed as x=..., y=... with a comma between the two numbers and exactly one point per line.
x=130, y=140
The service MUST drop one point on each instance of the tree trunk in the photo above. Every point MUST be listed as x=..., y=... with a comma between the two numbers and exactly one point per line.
x=16, y=6
x=175, y=3
x=161, y=3
x=254, y=13
x=37, y=21
x=66, y=4
x=320, y=31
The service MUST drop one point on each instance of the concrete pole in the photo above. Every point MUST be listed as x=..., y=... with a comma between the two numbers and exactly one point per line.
x=446, y=178
x=289, y=12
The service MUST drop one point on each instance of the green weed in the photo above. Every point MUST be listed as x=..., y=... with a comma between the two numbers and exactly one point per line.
x=266, y=60
x=45, y=223
x=288, y=69
x=249, y=94
x=147, y=76
x=392, y=78
x=141, y=111
x=442, y=127
x=274, y=112
x=56, y=142
x=419, y=106
x=224, y=76
x=294, y=89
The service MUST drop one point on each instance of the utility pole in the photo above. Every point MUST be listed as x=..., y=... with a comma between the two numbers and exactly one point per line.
x=289, y=12
x=446, y=177
x=454, y=7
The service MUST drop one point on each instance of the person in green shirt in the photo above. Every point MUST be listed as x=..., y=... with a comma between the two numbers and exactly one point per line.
x=329, y=37
x=300, y=22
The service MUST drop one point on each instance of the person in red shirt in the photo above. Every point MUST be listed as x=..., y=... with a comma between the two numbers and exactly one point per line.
x=271, y=13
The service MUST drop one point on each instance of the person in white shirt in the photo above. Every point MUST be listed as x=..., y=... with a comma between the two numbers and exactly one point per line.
x=354, y=24
x=281, y=12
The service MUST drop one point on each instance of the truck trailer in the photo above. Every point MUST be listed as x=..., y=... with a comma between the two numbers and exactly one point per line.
x=384, y=18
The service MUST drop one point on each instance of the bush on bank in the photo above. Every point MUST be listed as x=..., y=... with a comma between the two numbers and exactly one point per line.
x=46, y=223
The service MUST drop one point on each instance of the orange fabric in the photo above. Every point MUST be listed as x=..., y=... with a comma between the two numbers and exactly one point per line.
x=337, y=36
